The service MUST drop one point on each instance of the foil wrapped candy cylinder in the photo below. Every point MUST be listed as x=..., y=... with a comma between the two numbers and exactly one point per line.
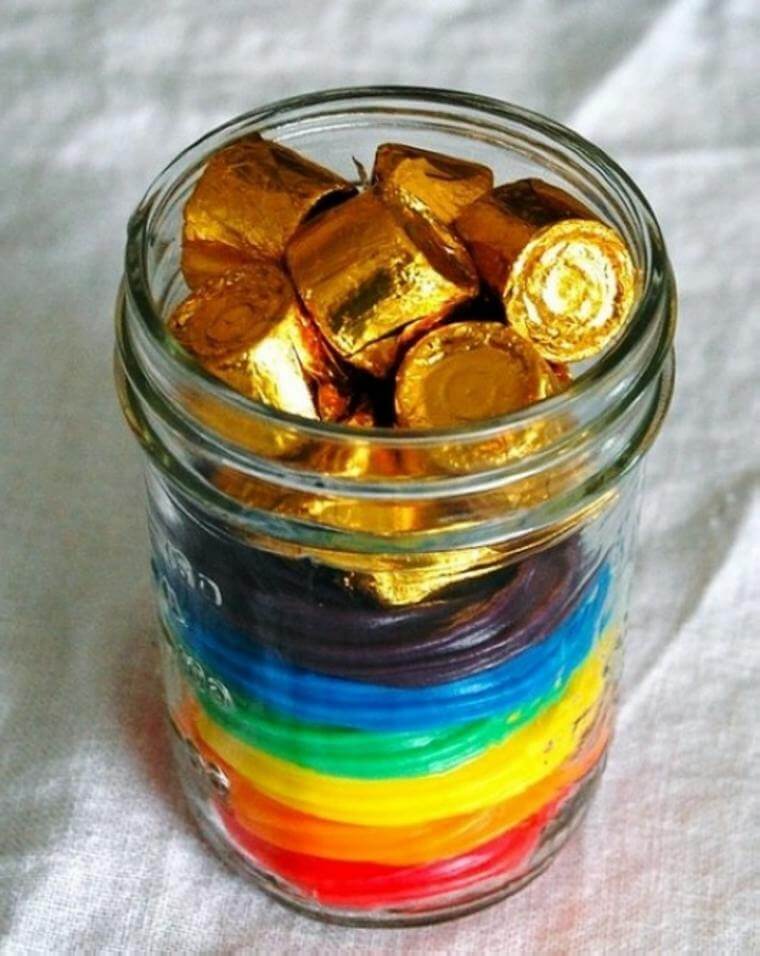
x=566, y=280
x=441, y=185
x=247, y=327
x=248, y=202
x=391, y=681
x=498, y=224
x=372, y=273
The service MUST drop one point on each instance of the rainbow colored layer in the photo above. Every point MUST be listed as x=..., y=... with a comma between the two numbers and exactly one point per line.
x=366, y=795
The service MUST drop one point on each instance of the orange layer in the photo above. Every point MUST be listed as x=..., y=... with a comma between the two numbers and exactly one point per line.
x=291, y=829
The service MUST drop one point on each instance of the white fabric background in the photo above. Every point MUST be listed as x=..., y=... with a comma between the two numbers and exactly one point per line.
x=97, y=853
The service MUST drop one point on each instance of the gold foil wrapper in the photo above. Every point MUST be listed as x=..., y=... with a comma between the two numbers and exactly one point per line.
x=562, y=374
x=409, y=579
x=496, y=227
x=334, y=395
x=398, y=579
x=357, y=514
x=246, y=327
x=475, y=456
x=392, y=580
x=207, y=260
x=248, y=202
x=333, y=402
x=363, y=416
x=422, y=575
x=372, y=275
x=469, y=372
x=236, y=425
x=571, y=289
x=443, y=185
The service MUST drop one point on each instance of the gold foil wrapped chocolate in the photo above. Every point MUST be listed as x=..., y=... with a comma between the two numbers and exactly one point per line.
x=369, y=516
x=571, y=289
x=443, y=185
x=497, y=226
x=248, y=202
x=469, y=372
x=407, y=578
x=373, y=274
x=417, y=577
x=392, y=580
x=207, y=260
x=246, y=327
x=234, y=424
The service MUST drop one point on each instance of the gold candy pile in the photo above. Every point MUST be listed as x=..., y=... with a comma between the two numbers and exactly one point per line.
x=430, y=298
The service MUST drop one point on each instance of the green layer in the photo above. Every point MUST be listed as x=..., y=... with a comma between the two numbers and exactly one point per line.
x=354, y=753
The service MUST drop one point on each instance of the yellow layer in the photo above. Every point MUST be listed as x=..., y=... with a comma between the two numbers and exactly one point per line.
x=501, y=772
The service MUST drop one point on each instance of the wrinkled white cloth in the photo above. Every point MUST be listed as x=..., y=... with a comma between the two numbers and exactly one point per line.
x=97, y=853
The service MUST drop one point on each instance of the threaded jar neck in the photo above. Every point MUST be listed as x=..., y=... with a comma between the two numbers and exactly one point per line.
x=332, y=485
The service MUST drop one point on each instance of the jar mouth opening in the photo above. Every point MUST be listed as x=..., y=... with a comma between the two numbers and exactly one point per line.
x=491, y=116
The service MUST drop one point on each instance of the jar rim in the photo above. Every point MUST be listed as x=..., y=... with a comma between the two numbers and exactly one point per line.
x=656, y=280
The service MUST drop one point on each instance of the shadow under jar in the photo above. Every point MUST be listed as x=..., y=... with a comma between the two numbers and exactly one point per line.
x=391, y=657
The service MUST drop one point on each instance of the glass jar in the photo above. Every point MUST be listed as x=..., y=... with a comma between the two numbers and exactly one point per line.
x=390, y=657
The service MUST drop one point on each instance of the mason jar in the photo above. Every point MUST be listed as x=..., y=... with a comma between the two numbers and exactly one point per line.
x=390, y=656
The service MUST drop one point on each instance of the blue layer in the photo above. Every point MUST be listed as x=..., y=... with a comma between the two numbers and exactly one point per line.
x=257, y=672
